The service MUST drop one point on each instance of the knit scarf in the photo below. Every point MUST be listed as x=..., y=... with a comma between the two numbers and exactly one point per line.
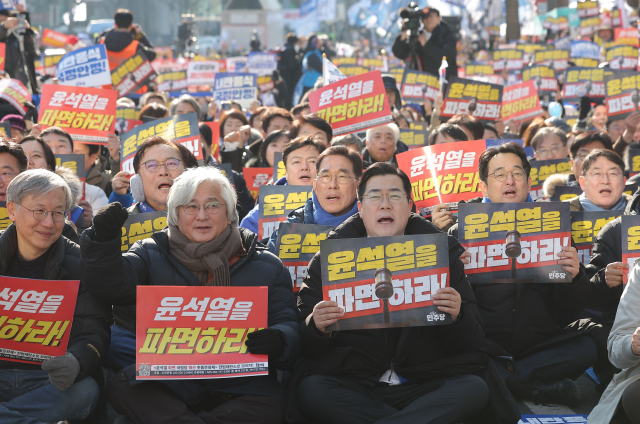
x=589, y=206
x=208, y=258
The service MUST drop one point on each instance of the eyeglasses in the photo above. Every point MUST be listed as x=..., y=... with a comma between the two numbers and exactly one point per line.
x=502, y=175
x=342, y=179
x=211, y=208
x=41, y=214
x=552, y=151
x=582, y=155
x=7, y=176
x=376, y=198
x=613, y=175
x=153, y=165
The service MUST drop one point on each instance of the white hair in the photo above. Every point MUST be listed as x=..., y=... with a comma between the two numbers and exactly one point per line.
x=184, y=188
x=76, y=186
x=394, y=128
x=36, y=183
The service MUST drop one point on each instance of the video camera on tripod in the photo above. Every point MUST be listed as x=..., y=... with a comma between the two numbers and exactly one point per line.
x=412, y=15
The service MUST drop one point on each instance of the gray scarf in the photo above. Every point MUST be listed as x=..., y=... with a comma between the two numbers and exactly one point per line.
x=208, y=258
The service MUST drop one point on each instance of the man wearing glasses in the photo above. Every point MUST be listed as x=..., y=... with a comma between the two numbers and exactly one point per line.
x=12, y=162
x=62, y=387
x=376, y=375
x=527, y=324
x=334, y=191
x=550, y=143
x=584, y=144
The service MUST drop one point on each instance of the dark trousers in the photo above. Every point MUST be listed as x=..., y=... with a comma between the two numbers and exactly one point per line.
x=152, y=403
x=329, y=399
x=630, y=403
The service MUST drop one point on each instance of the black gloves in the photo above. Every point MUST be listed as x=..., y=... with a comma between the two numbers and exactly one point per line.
x=63, y=370
x=108, y=222
x=265, y=342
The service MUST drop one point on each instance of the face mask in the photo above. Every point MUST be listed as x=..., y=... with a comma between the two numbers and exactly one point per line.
x=297, y=48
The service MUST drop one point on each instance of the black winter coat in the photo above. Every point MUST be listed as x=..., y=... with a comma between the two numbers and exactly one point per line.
x=90, y=330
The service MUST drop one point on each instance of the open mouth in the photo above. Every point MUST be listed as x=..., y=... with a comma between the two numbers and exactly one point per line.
x=203, y=228
x=164, y=186
x=605, y=192
x=509, y=193
x=385, y=220
x=332, y=198
x=305, y=178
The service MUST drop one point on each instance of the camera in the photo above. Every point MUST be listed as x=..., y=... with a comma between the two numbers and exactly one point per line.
x=412, y=16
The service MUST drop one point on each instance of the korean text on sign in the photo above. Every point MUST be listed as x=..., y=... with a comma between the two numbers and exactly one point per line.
x=276, y=201
x=621, y=88
x=131, y=75
x=199, y=332
x=241, y=87
x=585, y=226
x=461, y=93
x=520, y=102
x=87, y=67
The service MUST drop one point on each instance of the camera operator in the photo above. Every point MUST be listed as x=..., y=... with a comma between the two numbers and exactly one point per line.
x=435, y=41
x=21, y=51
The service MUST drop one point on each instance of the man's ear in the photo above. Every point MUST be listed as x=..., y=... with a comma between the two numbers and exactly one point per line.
x=582, y=182
x=12, y=211
x=485, y=191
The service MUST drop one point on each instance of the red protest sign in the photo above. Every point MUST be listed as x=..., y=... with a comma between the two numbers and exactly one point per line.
x=520, y=102
x=36, y=318
x=54, y=39
x=3, y=53
x=13, y=91
x=199, y=332
x=352, y=104
x=255, y=178
x=443, y=173
x=87, y=114
x=628, y=36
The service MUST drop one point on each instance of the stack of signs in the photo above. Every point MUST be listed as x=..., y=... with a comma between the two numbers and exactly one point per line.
x=172, y=81
x=633, y=161
x=276, y=202
x=13, y=91
x=622, y=94
x=141, y=226
x=544, y=78
x=203, y=72
x=543, y=169
x=418, y=267
x=87, y=114
x=52, y=38
x=589, y=15
x=296, y=245
x=443, y=173
x=181, y=128
x=464, y=96
x=511, y=60
x=127, y=119
x=520, y=102
x=352, y=104
x=132, y=74
x=174, y=341
x=262, y=63
x=255, y=178
x=622, y=57
x=87, y=67
x=241, y=87
x=418, y=85
x=579, y=82
x=36, y=319
x=5, y=221
x=585, y=226
x=630, y=243
x=585, y=54
x=545, y=228
x=556, y=59
x=49, y=64
x=415, y=137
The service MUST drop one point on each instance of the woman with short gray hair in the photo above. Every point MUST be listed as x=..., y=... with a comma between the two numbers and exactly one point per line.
x=202, y=246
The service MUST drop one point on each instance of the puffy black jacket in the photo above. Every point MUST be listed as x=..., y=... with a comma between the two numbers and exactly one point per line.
x=369, y=353
x=116, y=41
x=114, y=276
x=522, y=316
x=607, y=248
x=90, y=332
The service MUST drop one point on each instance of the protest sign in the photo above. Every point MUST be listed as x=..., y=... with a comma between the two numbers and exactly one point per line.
x=417, y=267
x=556, y=59
x=276, y=201
x=464, y=96
x=74, y=162
x=478, y=70
x=584, y=50
x=3, y=54
x=397, y=74
x=352, y=70
x=587, y=9
x=49, y=64
x=633, y=161
x=588, y=25
x=417, y=85
x=586, y=63
x=203, y=72
x=520, y=102
x=585, y=226
x=127, y=119
x=141, y=226
x=442, y=173
x=511, y=60
x=255, y=178
x=241, y=87
x=544, y=78
x=279, y=170
x=5, y=129
x=5, y=221
x=555, y=419
x=630, y=243
x=262, y=63
x=181, y=128
x=87, y=67
x=626, y=36
x=36, y=319
x=564, y=192
x=226, y=170
x=544, y=227
x=172, y=81
x=413, y=138
x=345, y=60
x=543, y=169
x=13, y=91
x=374, y=63
x=87, y=114
x=53, y=38
x=199, y=332
x=236, y=64
x=622, y=94
x=265, y=83
x=296, y=245
x=580, y=82
x=353, y=104
x=622, y=57
x=132, y=74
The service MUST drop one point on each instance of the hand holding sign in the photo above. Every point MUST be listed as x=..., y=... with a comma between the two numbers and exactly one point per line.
x=571, y=262
x=442, y=217
x=267, y=341
x=613, y=273
x=465, y=258
x=121, y=183
x=449, y=301
x=63, y=370
x=326, y=313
